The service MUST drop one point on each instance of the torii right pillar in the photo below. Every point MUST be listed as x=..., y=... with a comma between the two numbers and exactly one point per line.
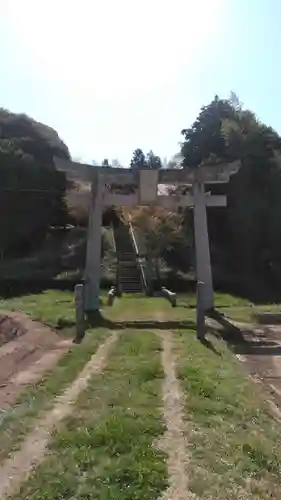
x=202, y=247
x=202, y=175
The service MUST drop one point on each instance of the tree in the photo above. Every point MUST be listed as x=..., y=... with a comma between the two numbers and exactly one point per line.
x=204, y=141
x=175, y=161
x=248, y=232
x=116, y=163
x=105, y=163
x=153, y=161
x=32, y=191
x=163, y=233
x=138, y=159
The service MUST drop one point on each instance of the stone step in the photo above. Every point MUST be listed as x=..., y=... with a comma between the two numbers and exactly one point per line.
x=129, y=269
x=131, y=289
x=127, y=263
x=128, y=277
x=129, y=273
x=128, y=281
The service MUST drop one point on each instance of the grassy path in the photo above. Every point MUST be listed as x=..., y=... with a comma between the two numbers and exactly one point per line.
x=18, y=420
x=51, y=307
x=105, y=449
x=234, y=443
x=18, y=467
x=174, y=439
x=167, y=418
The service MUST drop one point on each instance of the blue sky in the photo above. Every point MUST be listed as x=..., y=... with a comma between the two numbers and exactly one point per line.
x=113, y=75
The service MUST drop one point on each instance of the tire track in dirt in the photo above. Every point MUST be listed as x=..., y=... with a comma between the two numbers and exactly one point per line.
x=14, y=386
x=173, y=442
x=36, y=370
x=17, y=468
x=23, y=360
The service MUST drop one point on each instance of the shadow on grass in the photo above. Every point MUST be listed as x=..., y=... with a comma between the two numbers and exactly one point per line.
x=246, y=342
x=209, y=345
x=14, y=288
x=96, y=319
x=64, y=323
x=184, y=305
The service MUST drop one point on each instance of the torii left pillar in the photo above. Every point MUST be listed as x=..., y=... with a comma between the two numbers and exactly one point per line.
x=94, y=241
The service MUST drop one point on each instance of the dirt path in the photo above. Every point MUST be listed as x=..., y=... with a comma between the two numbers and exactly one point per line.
x=173, y=441
x=261, y=353
x=17, y=468
x=35, y=348
x=258, y=348
x=263, y=360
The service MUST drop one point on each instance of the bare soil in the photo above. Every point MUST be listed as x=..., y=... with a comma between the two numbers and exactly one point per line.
x=173, y=441
x=28, y=349
x=259, y=350
x=10, y=328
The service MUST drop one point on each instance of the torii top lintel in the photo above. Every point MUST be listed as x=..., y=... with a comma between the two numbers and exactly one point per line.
x=209, y=174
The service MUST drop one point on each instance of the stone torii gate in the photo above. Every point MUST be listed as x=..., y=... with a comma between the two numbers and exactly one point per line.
x=146, y=182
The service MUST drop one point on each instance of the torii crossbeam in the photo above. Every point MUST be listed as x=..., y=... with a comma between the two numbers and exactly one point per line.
x=146, y=193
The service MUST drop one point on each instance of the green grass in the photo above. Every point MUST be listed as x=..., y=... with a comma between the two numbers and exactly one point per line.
x=105, y=450
x=158, y=308
x=56, y=308
x=17, y=421
x=234, y=443
x=221, y=300
x=51, y=306
x=150, y=310
x=246, y=314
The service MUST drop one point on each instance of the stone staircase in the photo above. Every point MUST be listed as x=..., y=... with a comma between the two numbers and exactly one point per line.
x=129, y=275
x=149, y=266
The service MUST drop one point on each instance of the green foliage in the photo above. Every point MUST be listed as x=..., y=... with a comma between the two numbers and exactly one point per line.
x=139, y=160
x=175, y=161
x=32, y=191
x=245, y=237
x=153, y=161
x=248, y=232
x=163, y=234
x=204, y=140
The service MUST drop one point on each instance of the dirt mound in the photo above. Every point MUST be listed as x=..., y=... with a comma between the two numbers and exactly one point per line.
x=28, y=349
x=9, y=329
